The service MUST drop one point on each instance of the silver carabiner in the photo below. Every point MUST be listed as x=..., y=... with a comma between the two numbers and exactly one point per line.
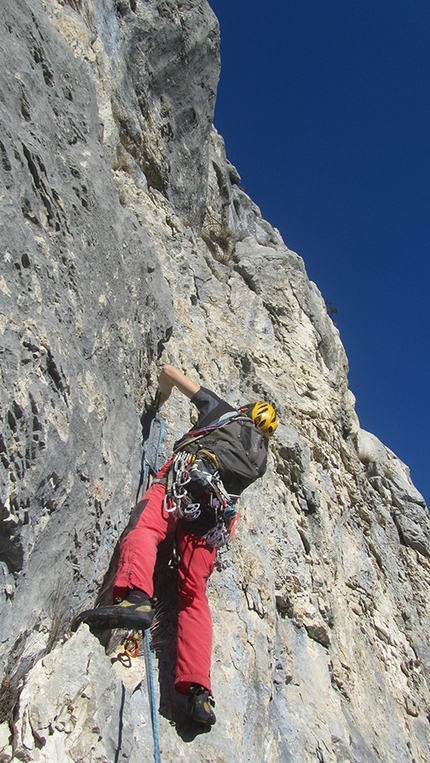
x=191, y=512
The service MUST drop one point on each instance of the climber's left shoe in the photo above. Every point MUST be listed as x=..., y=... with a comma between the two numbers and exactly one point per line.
x=200, y=703
x=135, y=612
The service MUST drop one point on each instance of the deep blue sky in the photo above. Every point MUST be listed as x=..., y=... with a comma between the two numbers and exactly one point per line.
x=324, y=106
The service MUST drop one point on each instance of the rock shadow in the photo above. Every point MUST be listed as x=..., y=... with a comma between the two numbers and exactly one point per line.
x=173, y=706
x=165, y=627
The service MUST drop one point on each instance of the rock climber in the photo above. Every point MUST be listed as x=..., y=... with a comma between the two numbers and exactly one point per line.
x=195, y=492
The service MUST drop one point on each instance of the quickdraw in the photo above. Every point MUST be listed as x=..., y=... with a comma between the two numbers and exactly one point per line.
x=178, y=500
x=130, y=650
x=222, y=533
x=131, y=645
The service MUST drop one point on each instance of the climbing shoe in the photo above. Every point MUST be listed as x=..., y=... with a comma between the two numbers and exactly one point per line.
x=200, y=703
x=135, y=612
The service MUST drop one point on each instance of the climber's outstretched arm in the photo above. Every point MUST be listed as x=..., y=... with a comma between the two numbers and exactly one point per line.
x=171, y=377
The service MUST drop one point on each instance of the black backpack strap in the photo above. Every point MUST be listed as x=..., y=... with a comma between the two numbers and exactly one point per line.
x=196, y=434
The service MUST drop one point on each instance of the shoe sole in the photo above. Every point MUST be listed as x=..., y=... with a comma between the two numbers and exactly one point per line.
x=210, y=722
x=104, y=618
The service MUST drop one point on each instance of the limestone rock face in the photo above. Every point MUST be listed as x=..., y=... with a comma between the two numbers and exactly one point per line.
x=84, y=308
x=156, y=69
x=127, y=243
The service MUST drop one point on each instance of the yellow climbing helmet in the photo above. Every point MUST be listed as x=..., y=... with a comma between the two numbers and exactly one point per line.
x=264, y=417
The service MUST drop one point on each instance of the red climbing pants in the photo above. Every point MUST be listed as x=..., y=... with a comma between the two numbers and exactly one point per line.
x=148, y=526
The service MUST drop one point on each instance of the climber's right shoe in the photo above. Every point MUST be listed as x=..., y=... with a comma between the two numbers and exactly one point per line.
x=200, y=703
x=126, y=614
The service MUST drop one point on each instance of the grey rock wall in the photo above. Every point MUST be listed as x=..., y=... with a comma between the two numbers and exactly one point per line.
x=84, y=309
x=127, y=242
x=156, y=67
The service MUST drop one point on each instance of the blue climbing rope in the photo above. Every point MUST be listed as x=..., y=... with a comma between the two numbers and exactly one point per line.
x=149, y=470
x=151, y=692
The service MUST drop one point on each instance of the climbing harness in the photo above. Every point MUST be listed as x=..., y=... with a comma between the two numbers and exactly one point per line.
x=193, y=482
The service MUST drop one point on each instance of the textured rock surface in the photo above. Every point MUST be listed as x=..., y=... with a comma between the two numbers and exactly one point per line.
x=127, y=242
x=84, y=308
